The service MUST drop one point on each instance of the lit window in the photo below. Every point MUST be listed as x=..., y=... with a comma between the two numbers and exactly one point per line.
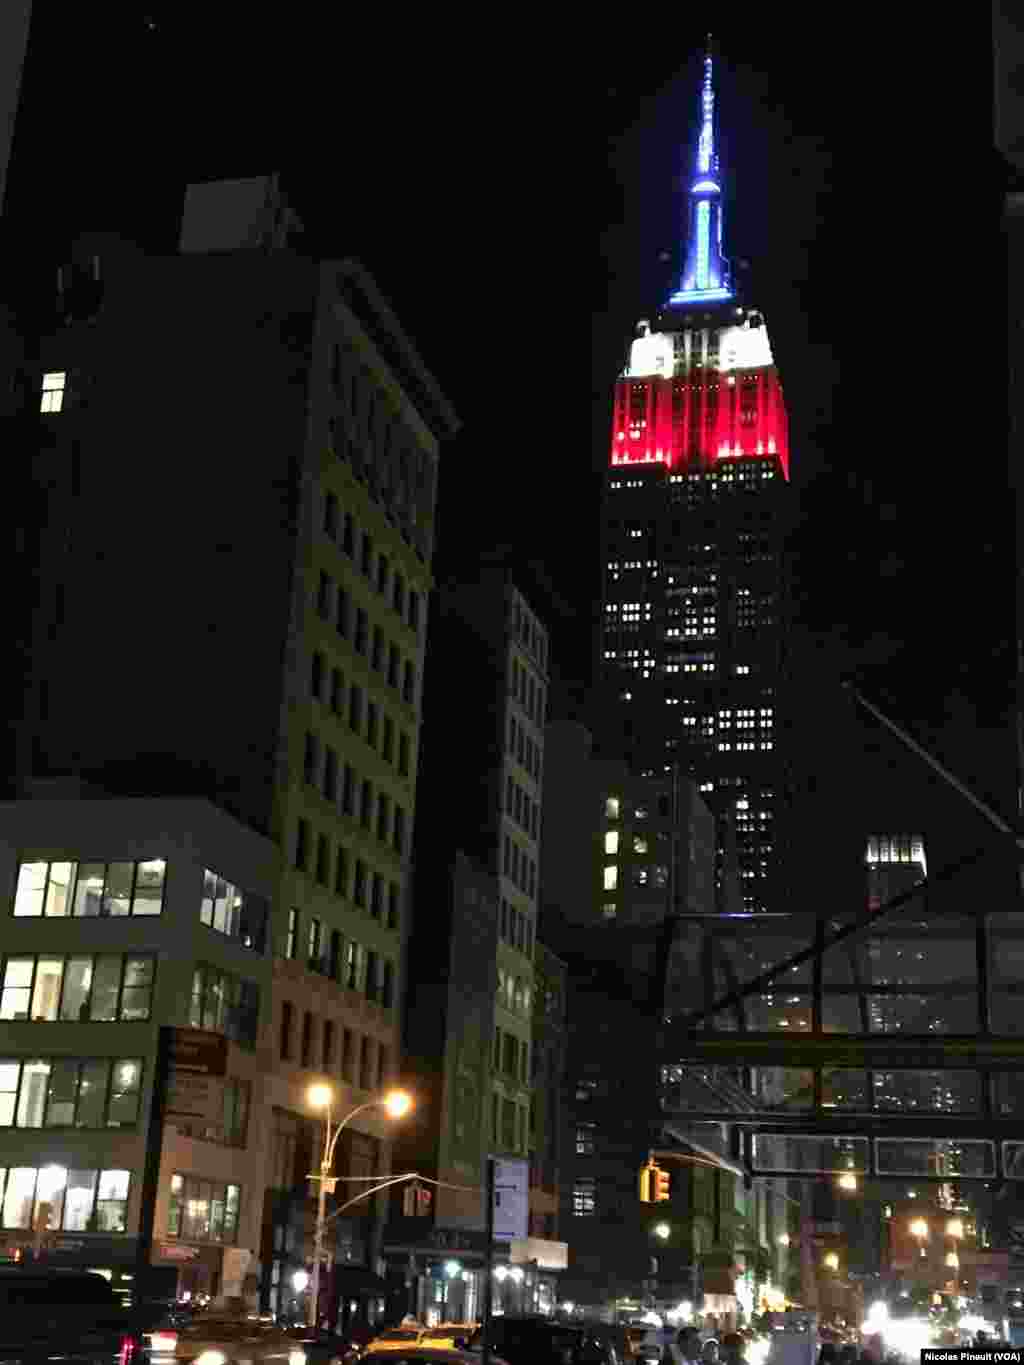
x=611, y=841
x=609, y=910
x=583, y=1199
x=611, y=807
x=611, y=878
x=52, y=398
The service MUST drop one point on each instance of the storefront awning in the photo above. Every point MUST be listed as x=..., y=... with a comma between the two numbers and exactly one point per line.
x=356, y=1279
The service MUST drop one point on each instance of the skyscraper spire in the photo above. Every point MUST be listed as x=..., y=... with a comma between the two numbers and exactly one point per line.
x=706, y=273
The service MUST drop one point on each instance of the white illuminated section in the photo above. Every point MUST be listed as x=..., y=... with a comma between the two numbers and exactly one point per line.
x=651, y=353
x=703, y=243
x=706, y=187
x=744, y=348
x=705, y=146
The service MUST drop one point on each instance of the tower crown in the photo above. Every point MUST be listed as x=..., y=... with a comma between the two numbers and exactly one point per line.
x=706, y=273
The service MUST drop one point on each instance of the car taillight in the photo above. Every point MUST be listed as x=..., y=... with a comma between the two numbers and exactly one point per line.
x=126, y=1355
x=161, y=1343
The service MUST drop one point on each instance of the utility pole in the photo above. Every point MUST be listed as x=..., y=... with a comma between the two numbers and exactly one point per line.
x=485, y=1355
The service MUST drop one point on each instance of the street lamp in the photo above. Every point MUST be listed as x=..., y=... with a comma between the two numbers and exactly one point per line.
x=848, y=1181
x=663, y=1231
x=397, y=1103
x=955, y=1230
x=831, y=1261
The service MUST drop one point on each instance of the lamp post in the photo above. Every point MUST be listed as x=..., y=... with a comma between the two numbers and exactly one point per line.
x=397, y=1103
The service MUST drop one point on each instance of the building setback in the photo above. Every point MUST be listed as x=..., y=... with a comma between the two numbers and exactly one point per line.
x=692, y=650
x=234, y=484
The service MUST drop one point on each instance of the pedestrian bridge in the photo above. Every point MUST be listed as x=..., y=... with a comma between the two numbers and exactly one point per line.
x=885, y=1043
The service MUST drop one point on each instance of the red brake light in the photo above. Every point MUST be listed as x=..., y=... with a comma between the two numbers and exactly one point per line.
x=127, y=1352
x=163, y=1342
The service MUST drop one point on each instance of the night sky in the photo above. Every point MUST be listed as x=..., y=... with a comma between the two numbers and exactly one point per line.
x=514, y=181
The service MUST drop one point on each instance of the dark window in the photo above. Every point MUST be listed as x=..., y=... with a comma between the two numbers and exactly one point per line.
x=366, y=804
x=387, y=989
x=414, y=610
x=359, y=893
x=383, y=811
x=337, y=691
x=331, y=516
x=309, y=758
x=355, y=709
x=393, y=905
x=293, y=934
x=347, y=1055
x=302, y=845
x=331, y=775
x=392, y=665
x=286, y=1030
x=362, y=630
x=344, y=618
x=348, y=534
x=316, y=679
x=398, y=594
x=313, y=942
x=323, y=859
x=399, y=832
x=377, y=654
x=348, y=790
x=387, y=747
x=327, y=1055
x=323, y=597
x=334, y=962
x=307, y=1038
x=377, y=896
x=383, y=569
x=341, y=871
x=367, y=556
x=403, y=755
x=372, y=984
x=409, y=683
x=224, y=1004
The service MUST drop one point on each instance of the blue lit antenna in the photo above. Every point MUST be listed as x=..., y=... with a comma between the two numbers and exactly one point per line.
x=706, y=273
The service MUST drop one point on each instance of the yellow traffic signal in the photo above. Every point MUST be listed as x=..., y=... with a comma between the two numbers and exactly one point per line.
x=646, y=1173
x=662, y=1185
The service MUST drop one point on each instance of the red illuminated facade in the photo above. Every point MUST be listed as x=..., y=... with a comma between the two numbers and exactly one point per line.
x=692, y=422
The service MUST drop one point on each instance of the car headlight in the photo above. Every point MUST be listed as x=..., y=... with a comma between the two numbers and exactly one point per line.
x=211, y=1358
x=295, y=1357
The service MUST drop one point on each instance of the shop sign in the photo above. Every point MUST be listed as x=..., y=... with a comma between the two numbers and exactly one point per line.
x=197, y=1064
x=511, y=1199
x=235, y=1269
x=173, y=1251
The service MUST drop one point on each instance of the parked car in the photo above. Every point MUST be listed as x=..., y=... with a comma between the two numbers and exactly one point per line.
x=539, y=1341
x=225, y=1335
x=47, y=1313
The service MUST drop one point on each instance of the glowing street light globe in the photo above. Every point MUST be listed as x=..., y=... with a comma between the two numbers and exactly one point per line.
x=919, y=1228
x=398, y=1103
x=319, y=1096
x=300, y=1280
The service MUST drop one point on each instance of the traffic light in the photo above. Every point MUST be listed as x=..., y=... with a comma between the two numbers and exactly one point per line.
x=662, y=1185
x=646, y=1181
x=424, y=1200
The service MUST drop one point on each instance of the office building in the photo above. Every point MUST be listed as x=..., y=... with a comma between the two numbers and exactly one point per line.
x=234, y=476
x=482, y=752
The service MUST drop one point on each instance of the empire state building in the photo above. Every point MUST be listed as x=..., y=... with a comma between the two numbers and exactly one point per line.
x=694, y=602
